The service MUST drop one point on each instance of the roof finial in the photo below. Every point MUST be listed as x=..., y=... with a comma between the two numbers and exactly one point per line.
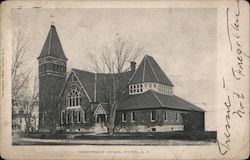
x=52, y=20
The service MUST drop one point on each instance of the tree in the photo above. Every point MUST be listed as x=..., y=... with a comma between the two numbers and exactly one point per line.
x=24, y=97
x=114, y=59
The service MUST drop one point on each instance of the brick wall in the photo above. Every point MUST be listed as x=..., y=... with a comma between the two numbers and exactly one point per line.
x=143, y=119
x=85, y=126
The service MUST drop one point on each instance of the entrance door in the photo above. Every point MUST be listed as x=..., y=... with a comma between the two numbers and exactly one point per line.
x=101, y=118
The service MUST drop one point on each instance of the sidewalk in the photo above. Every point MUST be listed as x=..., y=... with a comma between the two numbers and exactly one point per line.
x=32, y=141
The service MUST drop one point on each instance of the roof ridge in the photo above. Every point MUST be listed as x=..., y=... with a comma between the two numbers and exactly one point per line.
x=153, y=70
x=50, y=32
x=83, y=87
x=132, y=75
x=156, y=97
x=82, y=70
x=99, y=73
x=143, y=74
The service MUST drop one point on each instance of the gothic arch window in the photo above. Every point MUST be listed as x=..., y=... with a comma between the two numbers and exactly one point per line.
x=73, y=98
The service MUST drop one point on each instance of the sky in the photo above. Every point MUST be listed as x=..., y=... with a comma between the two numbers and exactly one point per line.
x=182, y=41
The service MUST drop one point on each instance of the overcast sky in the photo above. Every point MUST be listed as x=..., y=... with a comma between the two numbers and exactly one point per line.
x=182, y=41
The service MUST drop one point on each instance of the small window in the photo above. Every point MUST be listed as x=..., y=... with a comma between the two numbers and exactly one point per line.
x=152, y=116
x=78, y=116
x=62, y=117
x=68, y=117
x=141, y=90
x=154, y=85
x=141, y=85
x=132, y=116
x=131, y=87
x=146, y=85
x=72, y=116
x=150, y=85
x=153, y=129
x=137, y=90
x=83, y=116
x=134, y=86
x=123, y=117
x=166, y=116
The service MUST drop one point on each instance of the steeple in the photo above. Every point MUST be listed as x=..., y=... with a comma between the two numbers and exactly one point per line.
x=52, y=65
x=52, y=46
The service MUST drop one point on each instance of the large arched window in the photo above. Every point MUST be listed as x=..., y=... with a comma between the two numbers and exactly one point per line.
x=73, y=98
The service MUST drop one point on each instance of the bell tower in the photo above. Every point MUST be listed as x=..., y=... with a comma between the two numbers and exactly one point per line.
x=52, y=75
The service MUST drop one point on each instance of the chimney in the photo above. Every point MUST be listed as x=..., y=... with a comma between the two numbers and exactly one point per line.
x=132, y=66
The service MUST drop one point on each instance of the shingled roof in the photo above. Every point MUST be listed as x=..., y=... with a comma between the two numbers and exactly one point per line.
x=151, y=99
x=149, y=71
x=103, y=83
x=52, y=46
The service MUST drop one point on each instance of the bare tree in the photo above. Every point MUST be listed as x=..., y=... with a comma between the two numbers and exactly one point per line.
x=24, y=97
x=19, y=74
x=114, y=59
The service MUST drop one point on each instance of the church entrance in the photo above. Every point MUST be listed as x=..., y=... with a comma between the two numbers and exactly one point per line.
x=100, y=120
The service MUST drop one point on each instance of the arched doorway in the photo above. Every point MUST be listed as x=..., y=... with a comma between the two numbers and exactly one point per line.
x=101, y=119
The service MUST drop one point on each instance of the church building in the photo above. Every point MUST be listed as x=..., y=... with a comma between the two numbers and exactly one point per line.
x=82, y=101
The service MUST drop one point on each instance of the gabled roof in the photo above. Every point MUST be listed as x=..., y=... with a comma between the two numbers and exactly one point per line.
x=52, y=46
x=100, y=83
x=105, y=106
x=149, y=71
x=151, y=99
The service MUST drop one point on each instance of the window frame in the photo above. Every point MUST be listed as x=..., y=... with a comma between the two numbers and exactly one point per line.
x=67, y=117
x=62, y=117
x=177, y=117
x=72, y=116
x=151, y=116
x=124, y=117
x=83, y=112
x=73, y=97
x=132, y=116
x=78, y=116
x=166, y=116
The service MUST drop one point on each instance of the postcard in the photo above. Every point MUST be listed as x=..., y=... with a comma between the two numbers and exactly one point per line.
x=125, y=79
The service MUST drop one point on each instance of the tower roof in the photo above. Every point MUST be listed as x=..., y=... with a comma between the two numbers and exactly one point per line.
x=52, y=46
x=149, y=71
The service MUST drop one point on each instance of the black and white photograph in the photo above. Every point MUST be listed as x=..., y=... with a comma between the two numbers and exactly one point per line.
x=121, y=76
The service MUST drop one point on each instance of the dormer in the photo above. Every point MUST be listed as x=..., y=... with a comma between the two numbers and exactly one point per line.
x=149, y=76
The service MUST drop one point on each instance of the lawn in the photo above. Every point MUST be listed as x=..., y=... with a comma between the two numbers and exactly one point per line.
x=191, y=135
x=179, y=135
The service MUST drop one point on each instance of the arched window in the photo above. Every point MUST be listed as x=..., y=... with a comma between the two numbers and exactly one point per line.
x=73, y=98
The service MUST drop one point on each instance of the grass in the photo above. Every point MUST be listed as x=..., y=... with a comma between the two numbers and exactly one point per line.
x=191, y=135
x=180, y=135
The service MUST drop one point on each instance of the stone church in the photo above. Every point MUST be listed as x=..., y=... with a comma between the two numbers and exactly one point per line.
x=80, y=101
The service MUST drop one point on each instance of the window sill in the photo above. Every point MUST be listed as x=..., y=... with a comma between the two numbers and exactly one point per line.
x=73, y=107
